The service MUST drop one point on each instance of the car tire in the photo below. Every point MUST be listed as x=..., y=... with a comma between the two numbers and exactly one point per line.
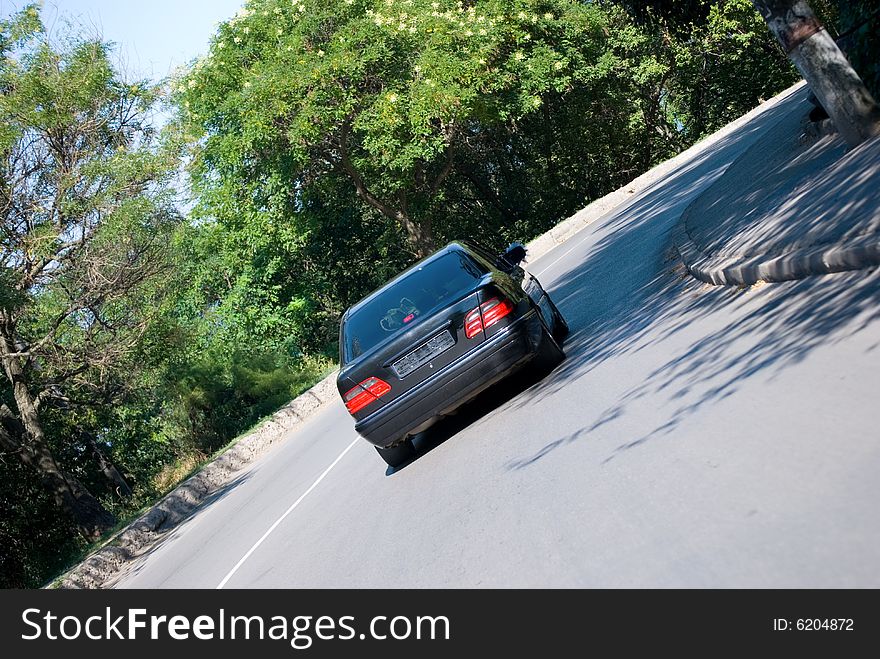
x=549, y=354
x=397, y=454
x=560, y=326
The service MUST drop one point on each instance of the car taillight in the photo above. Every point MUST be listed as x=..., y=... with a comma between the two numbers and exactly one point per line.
x=494, y=310
x=365, y=393
x=486, y=315
x=473, y=324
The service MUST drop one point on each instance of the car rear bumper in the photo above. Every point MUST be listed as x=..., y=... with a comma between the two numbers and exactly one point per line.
x=497, y=357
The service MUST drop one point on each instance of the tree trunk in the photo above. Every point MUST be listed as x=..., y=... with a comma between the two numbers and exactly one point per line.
x=825, y=68
x=111, y=473
x=91, y=518
x=420, y=235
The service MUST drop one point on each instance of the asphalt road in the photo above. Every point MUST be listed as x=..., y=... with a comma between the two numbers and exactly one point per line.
x=694, y=437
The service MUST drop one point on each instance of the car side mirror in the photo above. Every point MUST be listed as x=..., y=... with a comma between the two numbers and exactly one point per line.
x=512, y=257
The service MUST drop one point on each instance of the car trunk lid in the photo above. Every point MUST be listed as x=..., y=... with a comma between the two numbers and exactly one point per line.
x=412, y=355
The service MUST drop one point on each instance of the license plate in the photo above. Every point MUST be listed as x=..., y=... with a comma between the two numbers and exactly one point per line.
x=423, y=354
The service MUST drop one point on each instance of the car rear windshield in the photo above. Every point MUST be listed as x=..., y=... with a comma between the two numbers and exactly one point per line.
x=431, y=285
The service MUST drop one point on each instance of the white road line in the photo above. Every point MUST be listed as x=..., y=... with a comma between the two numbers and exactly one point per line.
x=286, y=513
x=563, y=255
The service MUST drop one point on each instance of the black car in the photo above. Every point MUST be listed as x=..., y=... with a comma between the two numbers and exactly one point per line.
x=438, y=334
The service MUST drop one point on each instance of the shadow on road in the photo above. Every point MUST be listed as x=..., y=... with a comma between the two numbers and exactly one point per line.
x=491, y=399
x=787, y=194
x=630, y=293
x=782, y=329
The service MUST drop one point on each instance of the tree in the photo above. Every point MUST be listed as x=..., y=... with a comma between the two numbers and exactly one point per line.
x=387, y=95
x=85, y=219
x=698, y=65
x=823, y=65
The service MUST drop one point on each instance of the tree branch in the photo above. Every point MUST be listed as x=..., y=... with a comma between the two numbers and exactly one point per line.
x=447, y=166
x=359, y=184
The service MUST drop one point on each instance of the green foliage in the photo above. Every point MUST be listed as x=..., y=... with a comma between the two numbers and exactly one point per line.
x=699, y=65
x=218, y=397
x=491, y=119
x=35, y=541
x=385, y=98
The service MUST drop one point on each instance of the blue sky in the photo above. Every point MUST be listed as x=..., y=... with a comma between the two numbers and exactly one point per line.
x=152, y=37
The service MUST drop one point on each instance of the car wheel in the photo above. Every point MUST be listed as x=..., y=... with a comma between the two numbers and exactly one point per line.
x=398, y=454
x=560, y=326
x=549, y=354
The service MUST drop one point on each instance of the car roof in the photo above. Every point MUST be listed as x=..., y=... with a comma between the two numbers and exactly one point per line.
x=456, y=246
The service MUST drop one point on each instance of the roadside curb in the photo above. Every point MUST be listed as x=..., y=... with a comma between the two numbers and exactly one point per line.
x=771, y=264
x=99, y=568
x=818, y=260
